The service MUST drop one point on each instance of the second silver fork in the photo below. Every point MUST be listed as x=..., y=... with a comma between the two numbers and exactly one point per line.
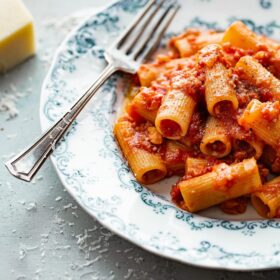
x=126, y=54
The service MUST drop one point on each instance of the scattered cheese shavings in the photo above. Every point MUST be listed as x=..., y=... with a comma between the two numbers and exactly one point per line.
x=22, y=254
x=129, y=273
x=75, y=214
x=23, y=251
x=21, y=277
x=22, y=202
x=128, y=250
x=9, y=99
x=8, y=105
x=10, y=136
x=58, y=220
x=32, y=206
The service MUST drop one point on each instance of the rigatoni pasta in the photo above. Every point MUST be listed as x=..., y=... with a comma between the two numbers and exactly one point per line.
x=215, y=141
x=239, y=35
x=148, y=73
x=193, y=40
x=148, y=167
x=142, y=105
x=253, y=147
x=174, y=156
x=222, y=183
x=174, y=115
x=256, y=74
x=208, y=111
x=264, y=120
x=267, y=200
x=220, y=95
x=195, y=166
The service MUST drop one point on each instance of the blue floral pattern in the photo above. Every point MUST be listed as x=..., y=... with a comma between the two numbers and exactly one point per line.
x=88, y=41
x=266, y=4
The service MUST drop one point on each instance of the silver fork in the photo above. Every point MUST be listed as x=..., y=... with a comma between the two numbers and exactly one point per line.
x=126, y=55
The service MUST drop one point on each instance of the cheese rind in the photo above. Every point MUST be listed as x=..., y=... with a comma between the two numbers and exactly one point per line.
x=17, y=40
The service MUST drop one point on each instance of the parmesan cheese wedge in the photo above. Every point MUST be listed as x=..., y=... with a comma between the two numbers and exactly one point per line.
x=17, y=40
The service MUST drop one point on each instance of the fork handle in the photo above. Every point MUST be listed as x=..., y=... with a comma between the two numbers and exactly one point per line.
x=27, y=163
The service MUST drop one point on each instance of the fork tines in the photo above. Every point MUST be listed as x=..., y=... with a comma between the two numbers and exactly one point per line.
x=146, y=30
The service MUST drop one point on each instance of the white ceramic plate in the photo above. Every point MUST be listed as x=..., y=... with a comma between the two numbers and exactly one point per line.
x=93, y=170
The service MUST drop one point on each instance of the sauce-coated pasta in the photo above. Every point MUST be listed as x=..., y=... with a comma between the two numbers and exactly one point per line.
x=208, y=111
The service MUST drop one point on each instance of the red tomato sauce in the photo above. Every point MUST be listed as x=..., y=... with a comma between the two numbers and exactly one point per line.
x=170, y=128
x=197, y=127
x=235, y=206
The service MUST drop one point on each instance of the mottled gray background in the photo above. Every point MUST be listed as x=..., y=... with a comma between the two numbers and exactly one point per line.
x=43, y=233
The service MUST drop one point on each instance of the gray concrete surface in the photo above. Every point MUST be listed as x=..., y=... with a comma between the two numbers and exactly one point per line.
x=43, y=233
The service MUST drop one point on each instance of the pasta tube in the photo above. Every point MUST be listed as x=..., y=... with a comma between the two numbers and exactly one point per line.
x=263, y=119
x=215, y=141
x=253, y=147
x=187, y=46
x=147, y=73
x=184, y=47
x=219, y=92
x=146, y=104
x=258, y=75
x=267, y=200
x=223, y=183
x=240, y=36
x=174, y=115
x=147, y=167
x=195, y=166
x=175, y=157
